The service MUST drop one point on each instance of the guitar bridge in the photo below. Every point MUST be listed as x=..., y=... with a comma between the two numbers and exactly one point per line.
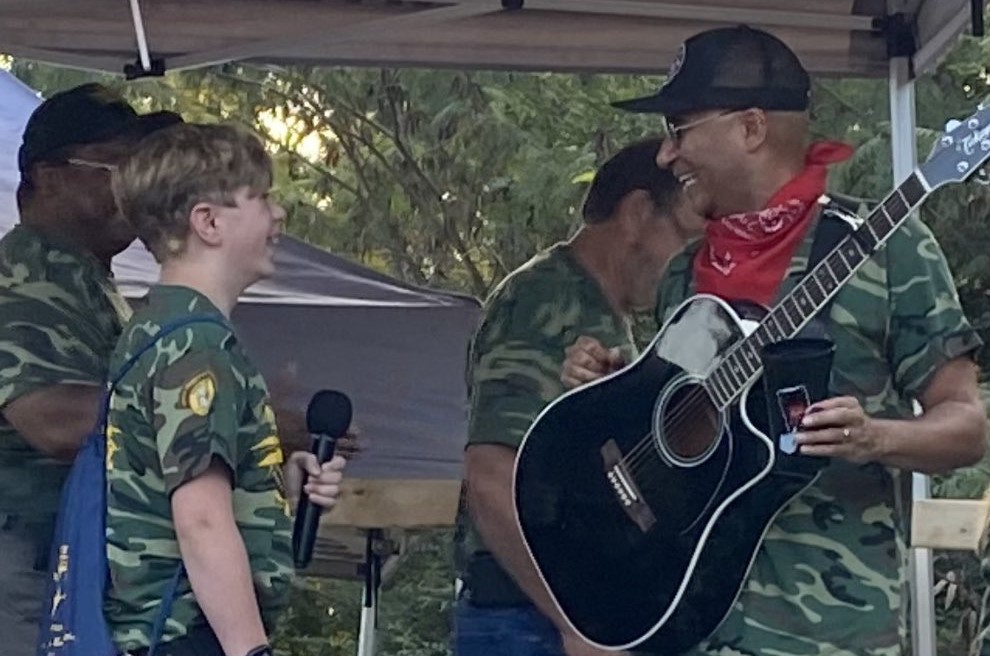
x=625, y=488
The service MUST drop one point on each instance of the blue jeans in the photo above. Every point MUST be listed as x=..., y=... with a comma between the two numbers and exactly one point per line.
x=512, y=631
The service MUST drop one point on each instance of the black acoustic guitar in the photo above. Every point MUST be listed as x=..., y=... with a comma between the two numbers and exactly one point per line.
x=643, y=497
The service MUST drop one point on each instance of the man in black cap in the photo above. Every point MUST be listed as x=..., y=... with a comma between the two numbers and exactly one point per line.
x=828, y=577
x=61, y=318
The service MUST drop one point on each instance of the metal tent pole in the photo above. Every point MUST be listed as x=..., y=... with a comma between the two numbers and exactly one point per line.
x=372, y=586
x=904, y=154
x=144, y=57
x=145, y=65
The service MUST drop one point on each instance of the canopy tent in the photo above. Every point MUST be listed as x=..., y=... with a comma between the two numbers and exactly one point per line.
x=397, y=351
x=833, y=37
x=897, y=39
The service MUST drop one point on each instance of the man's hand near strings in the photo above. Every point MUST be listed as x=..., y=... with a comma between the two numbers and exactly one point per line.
x=586, y=360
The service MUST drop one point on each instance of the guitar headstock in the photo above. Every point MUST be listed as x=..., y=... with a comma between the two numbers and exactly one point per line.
x=961, y=151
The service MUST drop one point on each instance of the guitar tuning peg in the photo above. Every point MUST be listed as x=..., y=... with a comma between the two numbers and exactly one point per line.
x=952, y=124
x=982, y=177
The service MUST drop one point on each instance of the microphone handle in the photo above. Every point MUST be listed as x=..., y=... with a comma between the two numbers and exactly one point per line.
x=308, y=514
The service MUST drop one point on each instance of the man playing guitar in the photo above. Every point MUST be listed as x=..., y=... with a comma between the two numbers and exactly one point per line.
x=828, y=577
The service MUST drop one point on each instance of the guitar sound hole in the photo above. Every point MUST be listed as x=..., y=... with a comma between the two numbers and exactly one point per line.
x=689, y=423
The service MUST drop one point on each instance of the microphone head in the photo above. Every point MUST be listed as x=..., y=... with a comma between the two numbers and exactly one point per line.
x=329, y=413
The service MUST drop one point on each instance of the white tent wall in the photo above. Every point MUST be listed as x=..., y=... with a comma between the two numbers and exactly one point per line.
x=17, y=101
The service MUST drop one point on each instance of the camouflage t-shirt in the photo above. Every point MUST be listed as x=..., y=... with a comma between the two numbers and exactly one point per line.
x=830, y=575
x=60, y=317
x=193, y=397
x=516, y=356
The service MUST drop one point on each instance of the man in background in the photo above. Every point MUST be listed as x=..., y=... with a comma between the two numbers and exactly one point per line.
x=635, y=219
x=61, y=317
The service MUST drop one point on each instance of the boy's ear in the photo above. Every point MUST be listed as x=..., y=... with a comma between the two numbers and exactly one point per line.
x=203, y=223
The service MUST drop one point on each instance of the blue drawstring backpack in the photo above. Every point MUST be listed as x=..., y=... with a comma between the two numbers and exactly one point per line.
x=72, y=621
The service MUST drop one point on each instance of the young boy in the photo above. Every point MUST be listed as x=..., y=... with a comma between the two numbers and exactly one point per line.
x=193, y=454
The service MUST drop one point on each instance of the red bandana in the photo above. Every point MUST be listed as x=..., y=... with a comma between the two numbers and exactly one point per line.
x=745, y=255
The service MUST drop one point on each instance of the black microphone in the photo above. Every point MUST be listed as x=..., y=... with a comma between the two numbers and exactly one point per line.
x=327, y=418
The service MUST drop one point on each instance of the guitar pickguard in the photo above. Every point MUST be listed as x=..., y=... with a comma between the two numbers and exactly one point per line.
x=696, y=334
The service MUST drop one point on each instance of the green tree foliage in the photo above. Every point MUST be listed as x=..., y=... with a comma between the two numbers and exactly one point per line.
x=452, y=179
x=447, y=179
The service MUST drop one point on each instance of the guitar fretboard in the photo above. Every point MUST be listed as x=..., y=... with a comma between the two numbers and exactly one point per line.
x=741, y=364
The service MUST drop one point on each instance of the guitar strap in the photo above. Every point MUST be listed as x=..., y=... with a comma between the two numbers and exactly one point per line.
x=837, y=219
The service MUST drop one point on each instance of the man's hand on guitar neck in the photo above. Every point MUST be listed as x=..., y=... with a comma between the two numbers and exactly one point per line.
x=586, y=360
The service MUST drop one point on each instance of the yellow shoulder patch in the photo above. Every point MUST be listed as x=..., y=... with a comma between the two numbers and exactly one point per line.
x=272, y=459
x=271, y=448
x=113, y=446
x=198, y=393
x=268, y=415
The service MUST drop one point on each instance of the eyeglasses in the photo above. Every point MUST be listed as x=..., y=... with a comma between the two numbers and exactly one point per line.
x=676, y=131
x=85, y=163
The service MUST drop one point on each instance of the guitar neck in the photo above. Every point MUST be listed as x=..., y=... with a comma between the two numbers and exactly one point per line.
x=741, y=363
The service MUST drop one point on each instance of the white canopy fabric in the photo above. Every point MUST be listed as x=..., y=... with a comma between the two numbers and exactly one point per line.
x=398, y=351
x=832, y=37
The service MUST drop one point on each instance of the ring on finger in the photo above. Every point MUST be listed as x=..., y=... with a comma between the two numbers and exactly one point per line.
x=846, y=432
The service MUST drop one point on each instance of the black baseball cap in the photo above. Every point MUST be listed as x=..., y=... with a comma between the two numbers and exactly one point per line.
x=729, y=68
x=86, y=114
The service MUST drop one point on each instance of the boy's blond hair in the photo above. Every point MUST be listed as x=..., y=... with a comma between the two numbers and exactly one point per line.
x=175, y=168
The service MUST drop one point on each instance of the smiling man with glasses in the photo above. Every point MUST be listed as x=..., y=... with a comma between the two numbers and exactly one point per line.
x=61, y=317
x=676, y=127
x=828, y=577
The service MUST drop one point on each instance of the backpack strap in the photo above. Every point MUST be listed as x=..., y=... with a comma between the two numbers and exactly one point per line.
x=171, y=591
x=165, y=611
